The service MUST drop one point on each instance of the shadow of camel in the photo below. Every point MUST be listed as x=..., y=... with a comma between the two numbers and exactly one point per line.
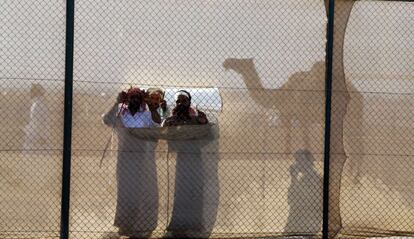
x=302, y=99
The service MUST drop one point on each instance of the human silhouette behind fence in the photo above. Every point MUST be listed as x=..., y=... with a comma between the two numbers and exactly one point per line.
x=196, y=182
x=137, y=192
x=304, y=196
x=38, y=130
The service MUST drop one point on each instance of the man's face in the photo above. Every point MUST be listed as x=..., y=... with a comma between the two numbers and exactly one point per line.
x=183, y=100
x=182, y=104
x=134, y=100
x=155, y=98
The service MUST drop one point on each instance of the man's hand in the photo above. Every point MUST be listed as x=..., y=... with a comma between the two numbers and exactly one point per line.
x=152, y=107
x=201, y=117
x=122, y=97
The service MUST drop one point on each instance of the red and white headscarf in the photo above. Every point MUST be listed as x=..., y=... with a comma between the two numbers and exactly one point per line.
x=133, y=91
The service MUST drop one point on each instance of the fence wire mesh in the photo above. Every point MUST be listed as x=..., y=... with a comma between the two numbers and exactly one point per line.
x=256, y=69
x=235, y=183
x=32, y=52
x=371, y=118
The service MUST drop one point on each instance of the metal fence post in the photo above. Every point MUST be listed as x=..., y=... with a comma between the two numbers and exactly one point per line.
x=328, y=95
x=67, y=130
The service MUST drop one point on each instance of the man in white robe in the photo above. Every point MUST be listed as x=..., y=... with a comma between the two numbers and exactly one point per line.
x=137, y=192
x=37, y=131
x=196, y=191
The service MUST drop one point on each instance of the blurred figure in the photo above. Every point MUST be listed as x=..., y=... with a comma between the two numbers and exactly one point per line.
x=133, y=110
x=183, y=113
x=37, y=131
x=155, y=100
x=38, y=174
x=137, y=192
x=304, y=196
x=192, y=176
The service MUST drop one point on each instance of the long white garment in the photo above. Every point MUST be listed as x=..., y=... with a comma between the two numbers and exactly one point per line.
x=137, y=192
x=37, y=131
x=196, y=187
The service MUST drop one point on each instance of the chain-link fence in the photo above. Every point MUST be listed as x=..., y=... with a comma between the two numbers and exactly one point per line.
x=148, y=163
x=32, y=50
x=371, y=128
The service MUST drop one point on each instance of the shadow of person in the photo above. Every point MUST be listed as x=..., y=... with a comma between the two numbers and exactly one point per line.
x=304, y=196
x=196, y=195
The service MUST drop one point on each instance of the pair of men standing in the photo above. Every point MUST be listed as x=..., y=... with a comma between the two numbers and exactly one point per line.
x=137, y=191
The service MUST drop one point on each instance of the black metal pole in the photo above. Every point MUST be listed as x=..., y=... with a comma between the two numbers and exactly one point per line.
x=327, y=140
x=67, y=123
